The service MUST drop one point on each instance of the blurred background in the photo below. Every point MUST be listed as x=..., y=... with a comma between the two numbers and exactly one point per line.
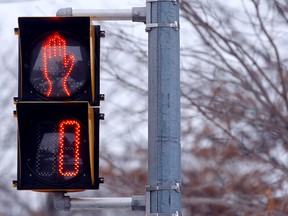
x=234, y=107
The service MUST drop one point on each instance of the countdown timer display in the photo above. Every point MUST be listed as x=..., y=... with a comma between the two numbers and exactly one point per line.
x=59, y=145
x=58, y=153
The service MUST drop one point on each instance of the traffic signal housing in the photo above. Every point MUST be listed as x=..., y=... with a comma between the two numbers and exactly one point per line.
x=57, y=61
x=57, y=146
x=57, y=107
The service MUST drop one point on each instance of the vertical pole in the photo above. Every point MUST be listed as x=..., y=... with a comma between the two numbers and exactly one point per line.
x=164, y=157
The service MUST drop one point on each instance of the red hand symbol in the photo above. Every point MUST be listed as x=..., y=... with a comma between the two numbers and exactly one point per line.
x=53, y=49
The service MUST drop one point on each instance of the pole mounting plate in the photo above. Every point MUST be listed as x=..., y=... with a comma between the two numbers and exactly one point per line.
x=164, y=214
x=176, y=187
x=173, y=1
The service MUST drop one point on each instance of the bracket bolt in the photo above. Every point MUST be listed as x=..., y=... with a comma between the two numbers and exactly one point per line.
x=101, y=116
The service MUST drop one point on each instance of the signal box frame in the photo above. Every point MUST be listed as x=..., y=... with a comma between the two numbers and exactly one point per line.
x=27, y=179
x=31, y=28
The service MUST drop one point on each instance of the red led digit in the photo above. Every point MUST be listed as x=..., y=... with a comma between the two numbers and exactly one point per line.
x=54, y=48
x=62, y=127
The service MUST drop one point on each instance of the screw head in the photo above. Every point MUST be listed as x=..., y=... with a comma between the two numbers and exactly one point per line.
x=101, y=116
x=102, y=34
x=101, y=180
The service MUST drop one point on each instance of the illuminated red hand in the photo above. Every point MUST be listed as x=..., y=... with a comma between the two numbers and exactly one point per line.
x=54, y=48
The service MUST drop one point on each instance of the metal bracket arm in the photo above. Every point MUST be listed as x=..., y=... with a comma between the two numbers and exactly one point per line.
x=66, y=203
x=136, y=14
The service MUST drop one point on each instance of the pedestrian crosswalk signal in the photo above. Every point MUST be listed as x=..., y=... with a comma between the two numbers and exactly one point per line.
x=57, y=61
x=57, y=107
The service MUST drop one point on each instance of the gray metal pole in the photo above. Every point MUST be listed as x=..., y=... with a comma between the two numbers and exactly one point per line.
x=164, y=159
